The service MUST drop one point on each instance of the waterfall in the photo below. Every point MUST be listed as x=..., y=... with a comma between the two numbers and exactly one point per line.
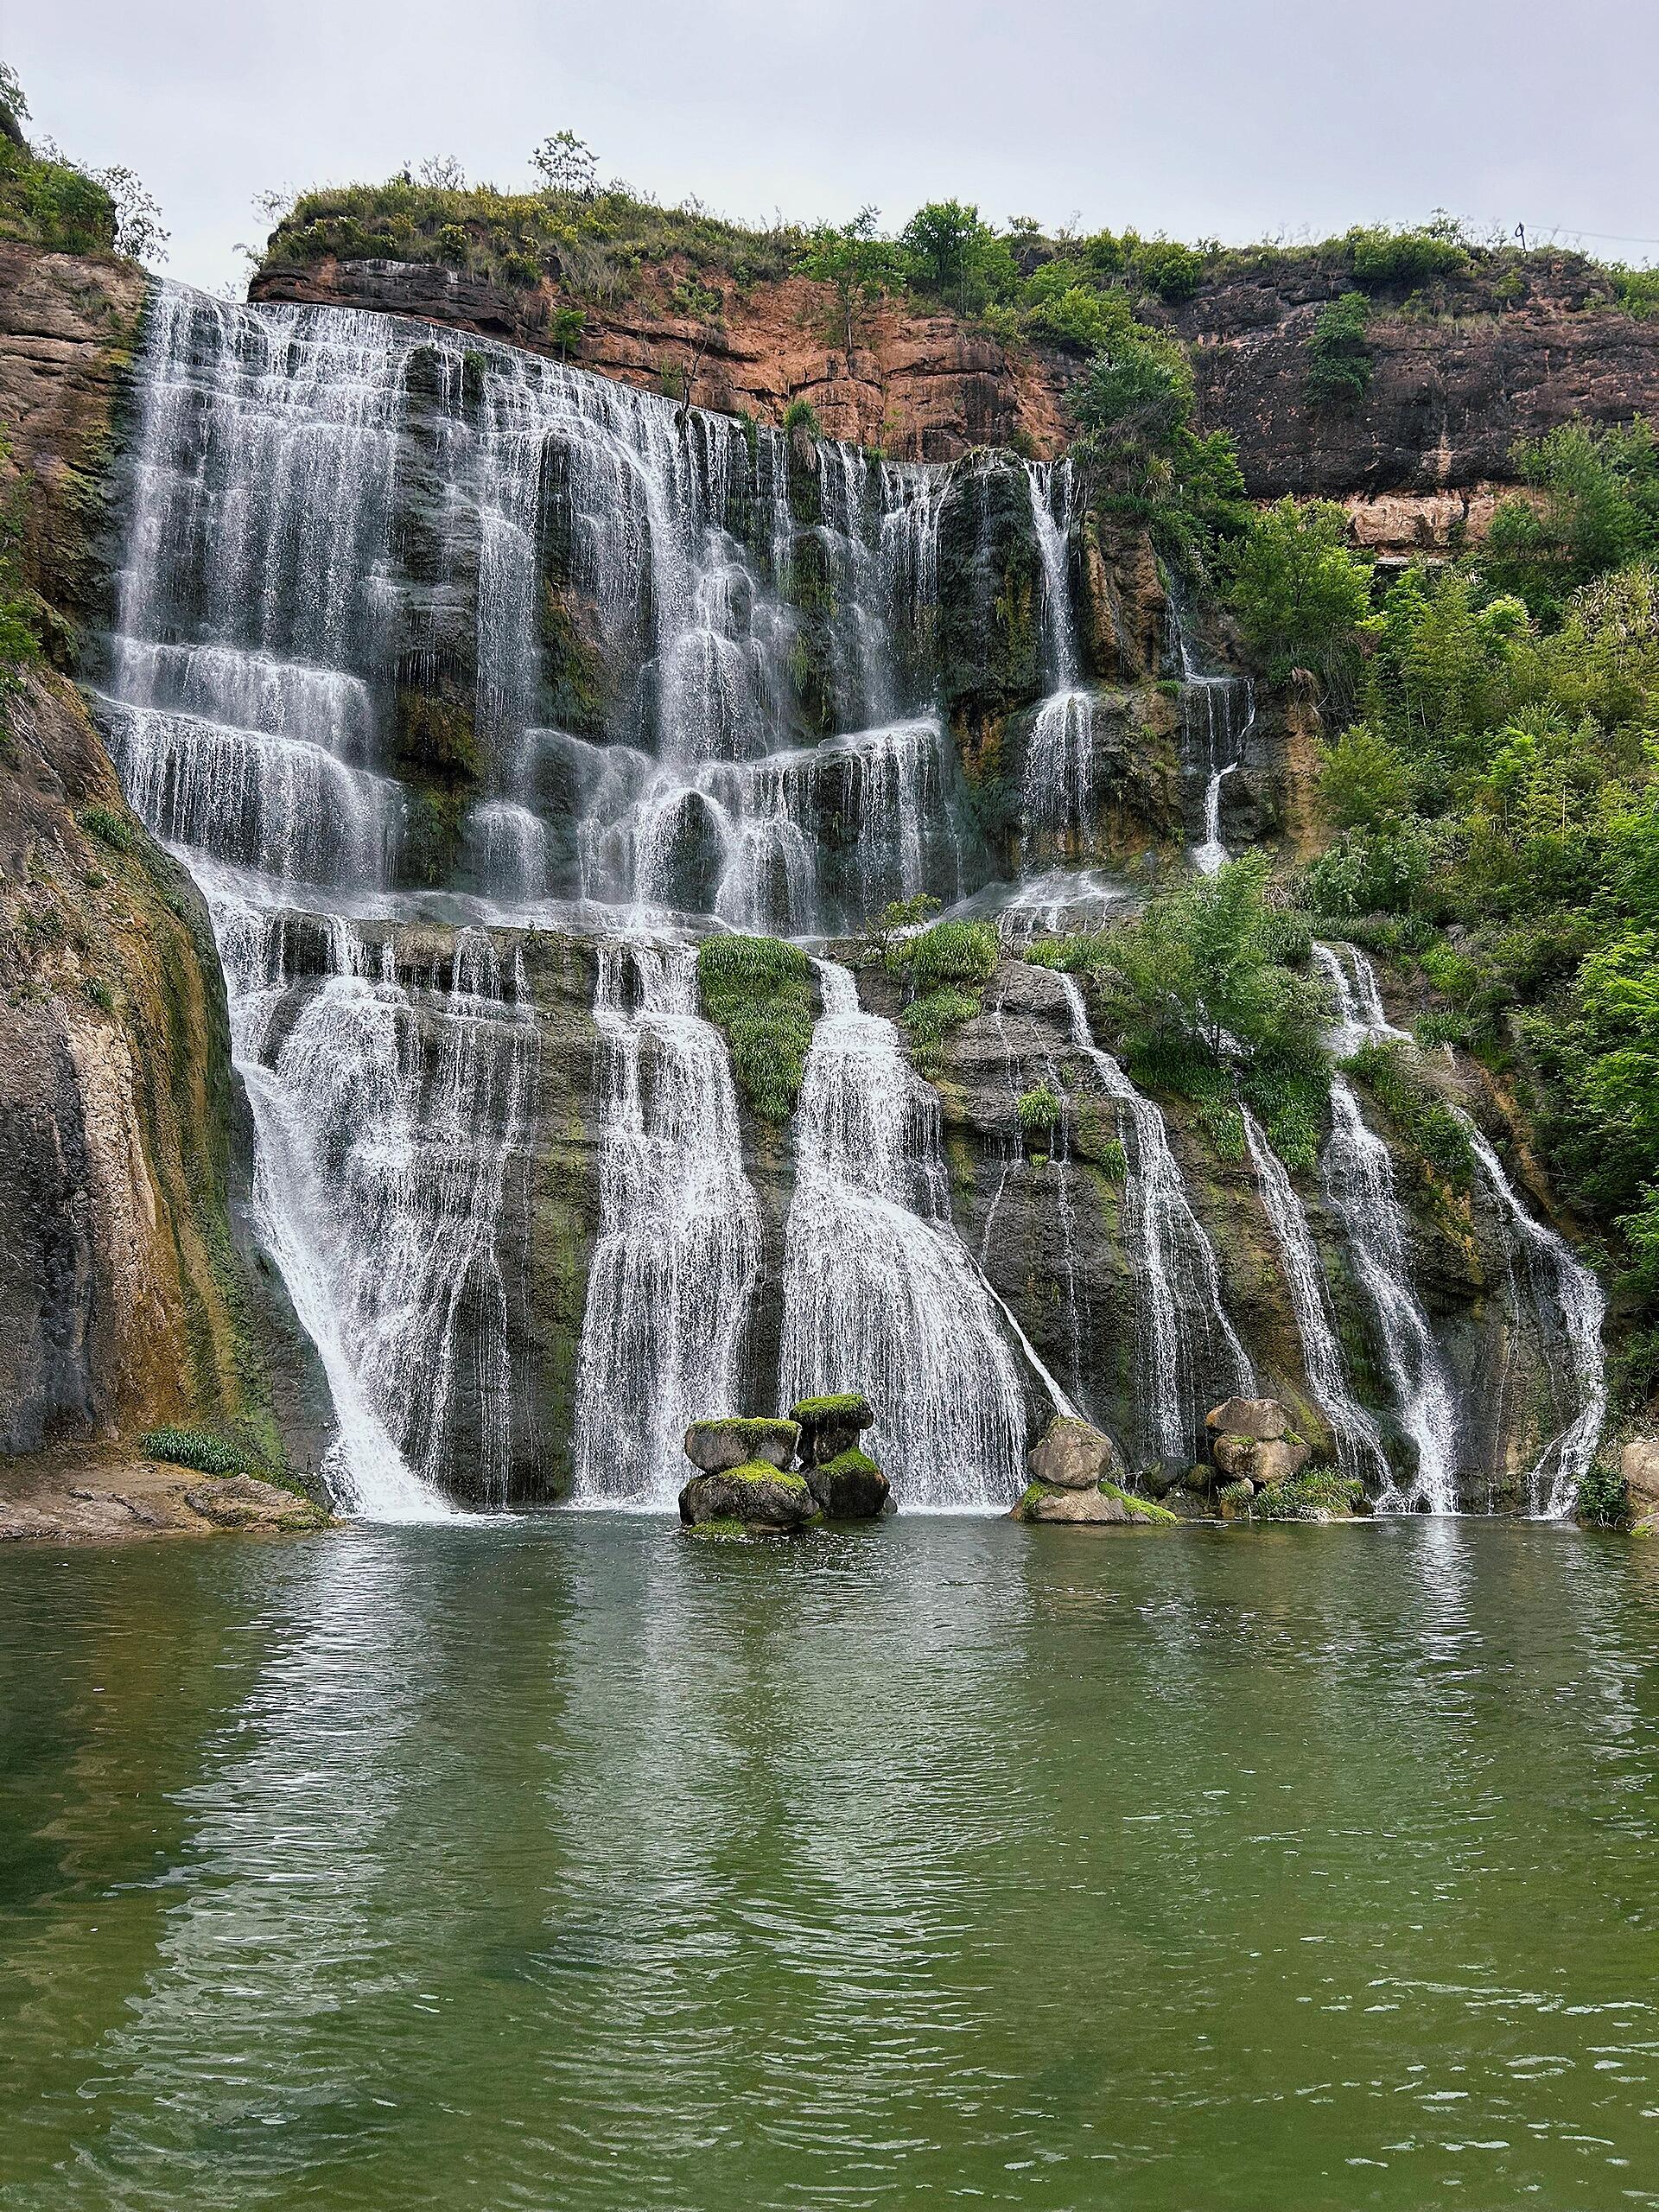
x=1358, y=1177
x=1356, y=999
x=1189, y=1346
x=678, y=1250
x=1217, y=715
x=1568, y=1308
x=1357, y=1440
x=389, y=1116
x=1056, y=788
x=880, y=1292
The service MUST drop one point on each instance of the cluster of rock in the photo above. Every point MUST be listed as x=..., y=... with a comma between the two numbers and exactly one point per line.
x=778, y=1476
x=1252, y=1445
x=1078, y=1475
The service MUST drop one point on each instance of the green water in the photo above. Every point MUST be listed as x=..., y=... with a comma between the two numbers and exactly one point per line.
x=572, y=1864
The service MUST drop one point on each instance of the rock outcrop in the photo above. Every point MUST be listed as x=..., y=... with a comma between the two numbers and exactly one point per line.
x=1638, y=1464
x=757, y=1497
x=1251, y=1440
x=849, y=1486
x=716, y=1447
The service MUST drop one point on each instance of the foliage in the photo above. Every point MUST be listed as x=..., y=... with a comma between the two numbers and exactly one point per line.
x=951, y=952
x=1340, y=363
x=758, y=991
x=930, y=1019
x=112, y=829
x=801, y=415
x=565, y=164
x=1206, y=991
x=20, y=644
x=1594, y=505
x=1039, y=1110
x=949, y=252
x=1379, y=257
x=883, y=928
x=48, y=201
x=1301, y=595
x=195, y=1448
x=855, y=261
x=1364, y=780
x=1603, y=1501
x=1299, y=1497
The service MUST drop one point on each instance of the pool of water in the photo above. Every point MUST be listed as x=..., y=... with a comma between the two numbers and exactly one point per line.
x=567, y=1864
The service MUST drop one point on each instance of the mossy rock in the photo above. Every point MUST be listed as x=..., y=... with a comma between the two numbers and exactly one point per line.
x=757, y=1496
x=849, y=1487
x=830, y=1426
x=1104, y=1505
x=737, y=1440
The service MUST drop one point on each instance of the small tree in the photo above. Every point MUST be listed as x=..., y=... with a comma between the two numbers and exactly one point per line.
x=883, y=928
x=566, y=163
x=851, y=257
x=1301, y=595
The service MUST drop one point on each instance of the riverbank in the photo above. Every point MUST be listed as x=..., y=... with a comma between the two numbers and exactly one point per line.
x=100, y=1493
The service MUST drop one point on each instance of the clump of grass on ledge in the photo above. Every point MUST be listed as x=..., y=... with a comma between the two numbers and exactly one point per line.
x=195, y=1448
x=758, y=991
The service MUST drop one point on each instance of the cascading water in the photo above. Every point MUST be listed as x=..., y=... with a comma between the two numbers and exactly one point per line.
x=1356, y=1435
x=678, y=1250
x=1356, y=998
x=1190, y=1351
x=1057, y=790
x=880, y=1292
x=1358, y=1177
x=370, y=566
x=1568, y=1308
x=1217, y=715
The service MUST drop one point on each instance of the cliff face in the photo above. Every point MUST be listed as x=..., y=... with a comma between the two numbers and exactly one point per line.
x=126, y=1296
x=1419, y=460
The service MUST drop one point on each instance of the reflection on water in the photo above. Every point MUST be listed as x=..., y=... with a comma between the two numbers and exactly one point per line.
x=572, y=1864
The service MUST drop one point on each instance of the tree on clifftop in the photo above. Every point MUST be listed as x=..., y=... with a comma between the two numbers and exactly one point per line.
x=853, y=258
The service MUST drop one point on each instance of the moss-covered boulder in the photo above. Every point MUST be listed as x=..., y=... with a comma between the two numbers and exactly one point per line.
x=849, y=1487
x=755, y=1496
x=1101, y=1505
x=1070, y=1454
x=735, y=1441
x=830, y=1427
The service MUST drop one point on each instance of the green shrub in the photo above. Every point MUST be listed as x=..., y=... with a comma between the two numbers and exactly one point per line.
x=1413, y=257
x=951, y=952
x=801, y=415
x=1340, y=363
x=1602, y=1501
x=1039, y=1110
x=1301, y=594
x=930, y=1019
x=758, y=991
x=1316, y=1490
x=112, y=829
x=195, y=1448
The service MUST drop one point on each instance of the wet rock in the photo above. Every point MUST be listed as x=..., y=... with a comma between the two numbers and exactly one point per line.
x=716, y=1445
x=830, y=1426
x=1639, y=1465
x=1246, y=1457
x=849, y=1487
x=1095, y=1507
x=1263, y=1418
x=753, y=1495
x=244, y=1501
x=1071, y=1455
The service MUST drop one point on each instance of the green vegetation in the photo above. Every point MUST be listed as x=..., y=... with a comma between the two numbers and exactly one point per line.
x=195, y=1448
x=1208, y=990
x=758, y=991
x=1301, y=595
x=839, y=1405
x=1604, y=1502
x=1142, y=1505
x=1339, y=361
x=20, y=643
x=1316, y=1490
x=1494, y=805
x=801, y=415
x=883, y=928
x=112, y=829
x=951, y=952
x=1039, y=1110
x=50, y=201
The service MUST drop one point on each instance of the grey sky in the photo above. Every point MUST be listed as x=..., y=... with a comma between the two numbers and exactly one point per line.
x=1195, y=117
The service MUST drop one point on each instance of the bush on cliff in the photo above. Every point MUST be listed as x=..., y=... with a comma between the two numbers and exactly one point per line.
x=758, y=991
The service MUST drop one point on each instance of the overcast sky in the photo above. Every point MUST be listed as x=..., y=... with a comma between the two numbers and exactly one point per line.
x=1226, y=118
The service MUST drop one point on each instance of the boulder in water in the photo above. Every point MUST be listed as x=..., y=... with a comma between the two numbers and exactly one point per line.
x=1071, y=1455
x=849, y=1487
x=830, y=1426
x=1639, y=1465
x=756, y=1496
x=1262, y=1419
x=1101, y=1505
x=716, y=1445
x=1259, y=1461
